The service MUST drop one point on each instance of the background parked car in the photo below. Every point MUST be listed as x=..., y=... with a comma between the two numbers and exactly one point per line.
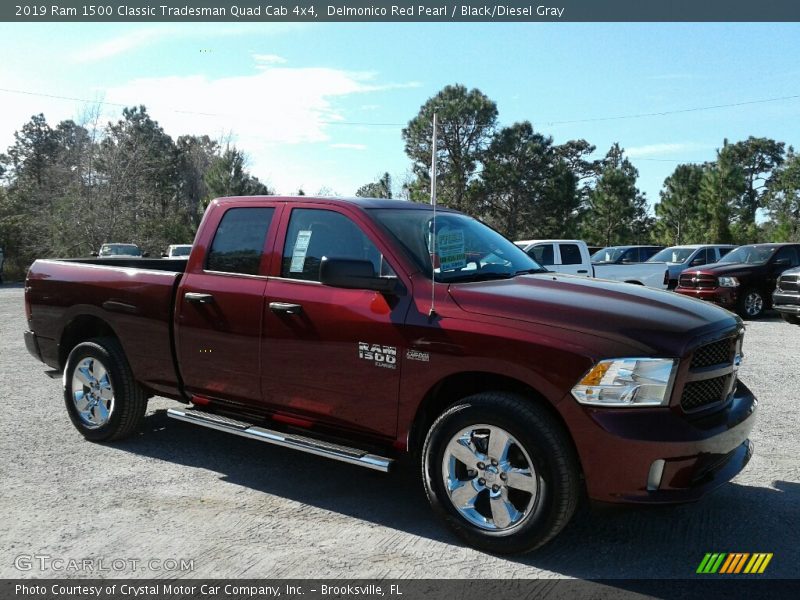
x=786, y=299
x=624, y=255
x=562, y=256
x=680, y=258
x=177, y=251
x=119, y=250
x=744, y=279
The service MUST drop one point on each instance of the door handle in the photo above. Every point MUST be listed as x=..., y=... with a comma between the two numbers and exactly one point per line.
x=285, y=308
x=582, y=271
x=198, y=298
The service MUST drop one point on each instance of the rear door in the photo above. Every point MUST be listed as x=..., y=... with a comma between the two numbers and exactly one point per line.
x=572, y=261
x=220, y=306
x=331, y=355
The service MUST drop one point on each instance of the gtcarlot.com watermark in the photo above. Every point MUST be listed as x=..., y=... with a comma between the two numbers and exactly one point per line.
x=101, y=564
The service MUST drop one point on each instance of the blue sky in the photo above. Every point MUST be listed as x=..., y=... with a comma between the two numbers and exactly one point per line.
x=321, y=106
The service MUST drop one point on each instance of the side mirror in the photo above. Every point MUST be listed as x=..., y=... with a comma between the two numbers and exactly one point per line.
x=354, y=274
x=627, y=261
x=698, y=261
x=93, y=253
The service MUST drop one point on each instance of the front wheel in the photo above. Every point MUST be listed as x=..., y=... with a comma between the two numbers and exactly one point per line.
x=103, y=400
x=502, y=472
x=751, y=304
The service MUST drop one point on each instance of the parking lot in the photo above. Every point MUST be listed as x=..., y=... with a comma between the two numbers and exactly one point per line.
x=231, y=507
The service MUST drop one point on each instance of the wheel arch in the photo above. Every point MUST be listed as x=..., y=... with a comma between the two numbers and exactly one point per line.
x=456, y=386
x=81, y=328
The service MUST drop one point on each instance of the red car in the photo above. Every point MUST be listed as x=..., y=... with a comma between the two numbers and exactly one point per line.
x=364, y=330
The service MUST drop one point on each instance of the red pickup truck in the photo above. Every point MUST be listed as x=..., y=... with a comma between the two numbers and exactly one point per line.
x=365, y=330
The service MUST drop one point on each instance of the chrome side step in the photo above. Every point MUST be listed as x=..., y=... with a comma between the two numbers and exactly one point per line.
x=353, y=456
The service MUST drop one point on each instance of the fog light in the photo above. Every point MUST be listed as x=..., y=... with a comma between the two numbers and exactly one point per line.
x=654, y=477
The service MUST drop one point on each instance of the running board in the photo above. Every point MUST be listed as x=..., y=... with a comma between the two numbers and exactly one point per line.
x=353, y=456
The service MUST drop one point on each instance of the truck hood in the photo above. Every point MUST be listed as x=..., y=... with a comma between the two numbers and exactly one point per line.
x=729, y=269
x=652, y=320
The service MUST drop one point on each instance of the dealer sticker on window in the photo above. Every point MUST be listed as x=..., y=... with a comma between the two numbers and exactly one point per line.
x=300, y=250
x=450, y=248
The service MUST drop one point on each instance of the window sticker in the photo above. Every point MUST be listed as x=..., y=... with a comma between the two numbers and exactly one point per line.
x=450, y=248
x=300, y=250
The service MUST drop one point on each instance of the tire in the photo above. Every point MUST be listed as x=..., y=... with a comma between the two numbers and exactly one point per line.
x=116, y=404
x=497, y=515
x=790, y=319
x=751, y=304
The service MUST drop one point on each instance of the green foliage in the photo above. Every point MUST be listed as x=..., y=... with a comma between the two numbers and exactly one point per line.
x=67, y=190
x=465, y=123
x=227, y=176
x=783, y=200
x=680, y=218
x=617, y=211
x=377, y=189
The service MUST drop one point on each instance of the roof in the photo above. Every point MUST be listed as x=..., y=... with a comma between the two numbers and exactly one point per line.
x=552, y=241
x=341, y=200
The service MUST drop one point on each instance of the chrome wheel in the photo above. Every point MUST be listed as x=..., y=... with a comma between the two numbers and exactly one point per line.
x=753, y=304
x=489, y=477
x=92, y=392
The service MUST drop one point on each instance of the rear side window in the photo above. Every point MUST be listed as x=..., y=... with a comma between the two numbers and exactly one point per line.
x=239, y=241
x=543, y=254
x=315, y=233
x=645, y=253
x=570, y=254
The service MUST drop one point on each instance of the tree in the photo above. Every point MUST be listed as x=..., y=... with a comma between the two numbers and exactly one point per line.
x=757, y=158
x=617, y=210
x=783, y=200
x=196, y=154
x=680, y=219
x=465, y=123
x=722, y=183
x=526, y=188
x=377, y=189
x=227, y=176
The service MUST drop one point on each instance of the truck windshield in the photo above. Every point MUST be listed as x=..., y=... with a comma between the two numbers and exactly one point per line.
x=672, y=255
x=754, y=255
x=465, y=249
x=607, y=255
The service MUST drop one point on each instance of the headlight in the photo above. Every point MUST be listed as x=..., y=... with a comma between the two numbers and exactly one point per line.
x=627, y=382
x=728, y=282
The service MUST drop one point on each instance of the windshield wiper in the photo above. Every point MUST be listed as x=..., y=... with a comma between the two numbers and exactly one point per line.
x=531, y=271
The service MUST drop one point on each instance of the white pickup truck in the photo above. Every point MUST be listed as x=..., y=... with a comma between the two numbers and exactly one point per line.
x=572, y=257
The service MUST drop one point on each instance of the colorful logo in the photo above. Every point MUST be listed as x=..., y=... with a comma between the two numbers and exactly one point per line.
x=724, y=563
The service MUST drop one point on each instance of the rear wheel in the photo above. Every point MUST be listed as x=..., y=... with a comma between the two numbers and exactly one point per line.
x=751, y=304
x=502, y=472
x=103, y=400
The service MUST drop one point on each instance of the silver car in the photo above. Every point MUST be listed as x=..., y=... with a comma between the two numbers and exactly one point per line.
x=680, y=258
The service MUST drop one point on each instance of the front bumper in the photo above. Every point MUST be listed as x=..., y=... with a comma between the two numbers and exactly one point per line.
x=661, y=455
x=786, y=303
x=725, y=297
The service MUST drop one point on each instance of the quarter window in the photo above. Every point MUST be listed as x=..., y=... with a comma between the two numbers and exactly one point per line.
x=317, y=233
x=239, y=241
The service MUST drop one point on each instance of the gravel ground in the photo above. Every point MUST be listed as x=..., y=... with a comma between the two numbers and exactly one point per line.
x=239, y=508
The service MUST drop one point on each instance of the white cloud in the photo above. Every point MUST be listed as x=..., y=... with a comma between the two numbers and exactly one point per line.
x=350, y=146
x=268, y=59
x=121, y=44
x=659, y=149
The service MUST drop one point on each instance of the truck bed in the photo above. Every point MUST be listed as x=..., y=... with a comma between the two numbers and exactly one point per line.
x=135, y=297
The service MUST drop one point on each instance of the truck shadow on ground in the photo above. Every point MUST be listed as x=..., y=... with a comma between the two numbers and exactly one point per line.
x=601, y=542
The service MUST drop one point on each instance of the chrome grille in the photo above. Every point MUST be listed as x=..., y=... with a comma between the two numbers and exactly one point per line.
x=788, y=283
x=693, y=280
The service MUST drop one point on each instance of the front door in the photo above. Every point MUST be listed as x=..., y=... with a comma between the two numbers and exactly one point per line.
x=329, y=354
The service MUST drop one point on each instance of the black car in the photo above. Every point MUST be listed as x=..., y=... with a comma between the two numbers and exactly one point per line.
x=786, y=299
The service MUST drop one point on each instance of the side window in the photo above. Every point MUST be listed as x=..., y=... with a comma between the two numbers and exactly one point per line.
x=570, y=254
x=702, y=257
x=239, y=241
x=646, y=253
x=723, y=251
x=789, y=252
x=542, y=254
x=314, y=233
x=631, y=255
